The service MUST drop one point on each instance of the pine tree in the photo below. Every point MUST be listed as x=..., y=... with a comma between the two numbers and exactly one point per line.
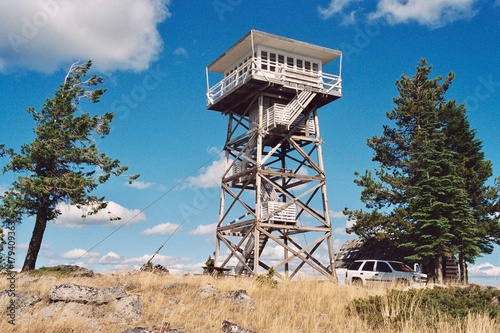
x=476, y=237
x=60, y=164
x=428, y=198
x=436, y=198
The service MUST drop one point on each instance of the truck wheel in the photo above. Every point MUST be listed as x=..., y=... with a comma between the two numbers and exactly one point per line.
x=402, y=283
x=357, y=282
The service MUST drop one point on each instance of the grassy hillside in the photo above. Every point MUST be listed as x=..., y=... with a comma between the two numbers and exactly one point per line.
x=302, y=306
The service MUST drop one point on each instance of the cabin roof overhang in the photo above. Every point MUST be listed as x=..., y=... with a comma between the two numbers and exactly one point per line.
x=254, y=38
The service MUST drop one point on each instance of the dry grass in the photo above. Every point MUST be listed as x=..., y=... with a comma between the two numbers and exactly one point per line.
x=301, y=306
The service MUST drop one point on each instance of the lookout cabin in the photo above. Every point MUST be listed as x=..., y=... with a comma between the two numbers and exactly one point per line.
x=277, y=65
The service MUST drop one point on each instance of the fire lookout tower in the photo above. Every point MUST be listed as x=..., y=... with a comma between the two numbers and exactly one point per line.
x=273, y=200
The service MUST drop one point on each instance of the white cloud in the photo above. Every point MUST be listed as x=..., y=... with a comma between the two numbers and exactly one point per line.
x=336, y=7
x=176, y=266
x=350, y=18
x=208, y=177
x=71, y=216
x=204, y=229
x=339, y=231
x=161, y=229
x=111, y=258
x=337, y=215
x=180, y=51
x=25, y=246
x=140, y=185
x=342, y=230
x=337, y=244
x=431, y=13
x=44, y=35
x=350, y=224
x=485, y=269
x=3, y=188
x=79, y=253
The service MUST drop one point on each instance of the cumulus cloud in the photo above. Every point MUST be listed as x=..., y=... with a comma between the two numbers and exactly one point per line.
x=339, y=231
x=337, y=215
x=485, y=269
x=335, y=7
x=342, y=230
x=79, y=253
x=161, y=229
x=208, y=177
x=113, y=215
x=43, y=35
x=140, y=185
x=204, y=229
x=3, y=189
x=110, y=258
x=431, y=13
x=180, y=51
x=25, y=246
x=176, y=266
x=338, y=8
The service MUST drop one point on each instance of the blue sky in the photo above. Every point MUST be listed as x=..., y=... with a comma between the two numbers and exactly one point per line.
x=152, y=55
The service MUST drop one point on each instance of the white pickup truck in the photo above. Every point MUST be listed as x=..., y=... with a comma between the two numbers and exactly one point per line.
x=367, y=272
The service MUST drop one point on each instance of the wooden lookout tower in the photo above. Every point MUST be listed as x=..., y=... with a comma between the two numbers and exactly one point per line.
x=273, y=204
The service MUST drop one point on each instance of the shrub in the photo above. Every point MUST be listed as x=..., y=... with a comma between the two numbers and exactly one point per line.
x=210, y=261
x=58, y=271
x=267, y=279
x=428, y=305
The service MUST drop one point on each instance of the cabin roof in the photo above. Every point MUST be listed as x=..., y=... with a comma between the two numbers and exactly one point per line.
x=241, y=47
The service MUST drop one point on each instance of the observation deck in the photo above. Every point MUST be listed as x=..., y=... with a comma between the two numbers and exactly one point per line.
x=274, y=65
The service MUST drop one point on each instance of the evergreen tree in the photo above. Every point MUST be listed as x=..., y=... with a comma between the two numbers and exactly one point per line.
x=476, y=237
x=60, y=164
x=429, y=197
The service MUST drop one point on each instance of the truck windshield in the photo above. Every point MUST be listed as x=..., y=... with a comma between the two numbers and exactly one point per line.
x=399, y=266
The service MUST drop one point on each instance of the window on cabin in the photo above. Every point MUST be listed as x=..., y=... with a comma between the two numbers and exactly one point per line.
x=315, y=67
x=290, y=61
x=300, y=64
x=264, y=60
x=272, y=61
x=307, y=65
x=281, y=59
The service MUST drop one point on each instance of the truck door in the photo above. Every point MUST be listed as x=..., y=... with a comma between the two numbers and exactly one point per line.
x=368, y=271
x=383, y=272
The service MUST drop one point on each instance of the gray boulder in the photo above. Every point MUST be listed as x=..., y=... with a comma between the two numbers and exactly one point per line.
x=229, y=327
x=239, y=298
x=84, y=294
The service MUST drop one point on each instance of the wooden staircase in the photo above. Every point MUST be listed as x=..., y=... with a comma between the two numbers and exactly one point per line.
x=290, y=114
x=268, y=194
x=295, y=107
x=248, y=254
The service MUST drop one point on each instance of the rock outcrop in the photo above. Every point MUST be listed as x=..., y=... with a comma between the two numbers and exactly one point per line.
x=93, y=302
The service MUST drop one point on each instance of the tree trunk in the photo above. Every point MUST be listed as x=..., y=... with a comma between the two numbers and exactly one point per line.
x=36, y=240
x=439, y=270
x=464, y=274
